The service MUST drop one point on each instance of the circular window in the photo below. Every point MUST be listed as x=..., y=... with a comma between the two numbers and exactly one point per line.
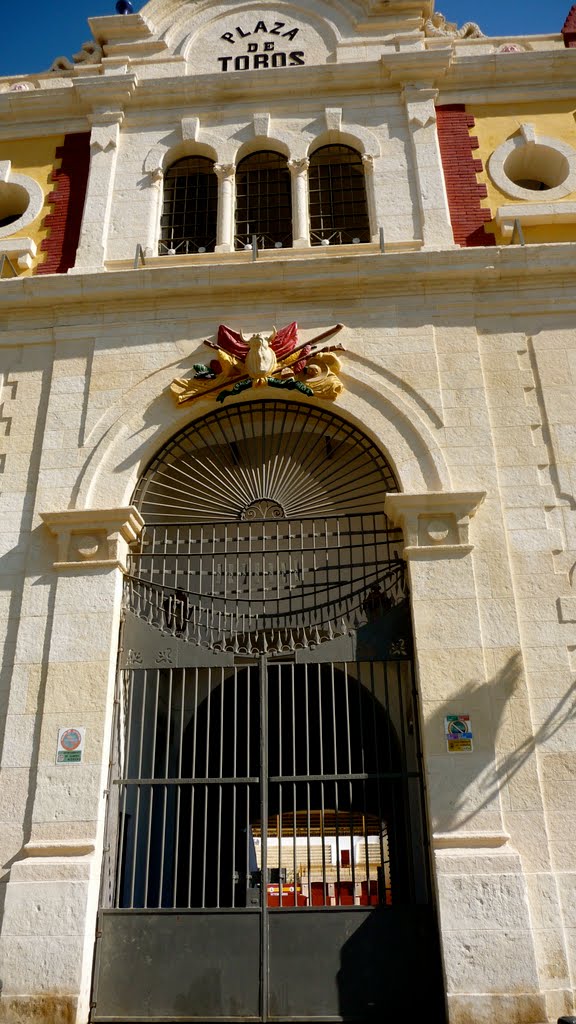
x=14, y=200
x=522, y=168
x=21, y=201
x=536, y=167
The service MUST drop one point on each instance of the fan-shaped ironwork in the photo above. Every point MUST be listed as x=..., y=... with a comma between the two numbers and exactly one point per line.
x=264, y=460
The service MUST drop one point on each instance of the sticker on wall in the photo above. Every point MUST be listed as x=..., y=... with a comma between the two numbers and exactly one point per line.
x=70, y=748
x=459, y=735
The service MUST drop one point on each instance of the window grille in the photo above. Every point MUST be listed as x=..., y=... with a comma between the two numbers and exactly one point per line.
x=263, y=201
x=338, y=204
x=189, y=214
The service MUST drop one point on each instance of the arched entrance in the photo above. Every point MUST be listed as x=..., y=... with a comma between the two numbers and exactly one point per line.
x=267, y=849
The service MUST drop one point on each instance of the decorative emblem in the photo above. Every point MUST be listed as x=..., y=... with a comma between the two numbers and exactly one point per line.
x=277, y=360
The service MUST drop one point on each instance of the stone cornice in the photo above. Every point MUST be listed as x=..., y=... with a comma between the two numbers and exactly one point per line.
x=40, y=110
x=496, y=77
x=532, y=76
x=65, y=109
x=487, y=280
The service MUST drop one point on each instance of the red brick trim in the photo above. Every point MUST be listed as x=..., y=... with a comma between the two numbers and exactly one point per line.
x=460, y=169
x=569, y=28
x=67, y=201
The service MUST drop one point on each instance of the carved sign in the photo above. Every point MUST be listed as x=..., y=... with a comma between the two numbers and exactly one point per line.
x=278, y=361
x=255, y=50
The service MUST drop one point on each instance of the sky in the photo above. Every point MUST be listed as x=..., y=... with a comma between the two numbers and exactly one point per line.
x=34, y=33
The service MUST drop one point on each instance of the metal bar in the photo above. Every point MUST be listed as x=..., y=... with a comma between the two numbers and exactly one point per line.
x=165, y=801
x=234, y=789
x=265, y=965
x=354, y=777
x=179, y=788
x=123, y=821
x=350, y=784
x=151, y=788
x=334, y=736
x=138, y=791
x=308, y=793
x=206, y=790
x=406, y=791
x=221, y=767
x=193, y=789
x=278, y=669
x=360, y=687
x=5, y=259
x=518, y=230
x=254, y=247
x=294, y=787
x=139, y=257
x=378, y=787
x=382, y=242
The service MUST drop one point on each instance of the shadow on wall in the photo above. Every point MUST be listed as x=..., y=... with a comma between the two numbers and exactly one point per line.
x=486, y=771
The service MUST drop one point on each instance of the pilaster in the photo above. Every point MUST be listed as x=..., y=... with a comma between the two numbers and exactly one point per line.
x=104, y=140
x=430, y=189
x=486, y=930
x=69, y=655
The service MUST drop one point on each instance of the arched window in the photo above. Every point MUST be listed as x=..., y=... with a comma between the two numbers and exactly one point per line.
x=338, y=204
x=190, y=207
x=263, y=201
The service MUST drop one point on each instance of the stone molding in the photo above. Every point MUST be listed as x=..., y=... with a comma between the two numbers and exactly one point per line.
x=35, y=198
x=93, y=538
x=501, y=272
x=23, y=250
x=436, y=523
x=533, y=214
x=469, y=840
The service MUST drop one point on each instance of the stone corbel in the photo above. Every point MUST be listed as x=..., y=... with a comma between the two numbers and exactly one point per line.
x=104, y=137
x=94, y=538
x=435, y=524
x=420, y=103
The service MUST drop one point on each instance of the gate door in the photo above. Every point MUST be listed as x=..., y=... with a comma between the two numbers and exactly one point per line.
x=267, y=854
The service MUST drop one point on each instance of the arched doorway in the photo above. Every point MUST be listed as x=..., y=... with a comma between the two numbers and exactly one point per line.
x=267, y=841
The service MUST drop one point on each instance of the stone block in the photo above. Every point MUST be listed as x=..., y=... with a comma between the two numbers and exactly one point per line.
x=513, y=1008
x=495, y=903
x=37, y=964
x=69, y=792
x=45, y=909
x=497, y=961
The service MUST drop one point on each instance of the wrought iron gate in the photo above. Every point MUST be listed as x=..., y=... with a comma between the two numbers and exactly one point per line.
x=266, y=850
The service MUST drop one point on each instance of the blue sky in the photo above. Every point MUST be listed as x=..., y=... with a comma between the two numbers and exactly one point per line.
x=34, y=33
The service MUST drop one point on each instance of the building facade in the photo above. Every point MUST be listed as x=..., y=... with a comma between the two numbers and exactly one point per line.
x=288, y=358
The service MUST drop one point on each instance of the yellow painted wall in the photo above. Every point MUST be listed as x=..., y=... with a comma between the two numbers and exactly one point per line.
x=37, y=159
x=494, y=125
